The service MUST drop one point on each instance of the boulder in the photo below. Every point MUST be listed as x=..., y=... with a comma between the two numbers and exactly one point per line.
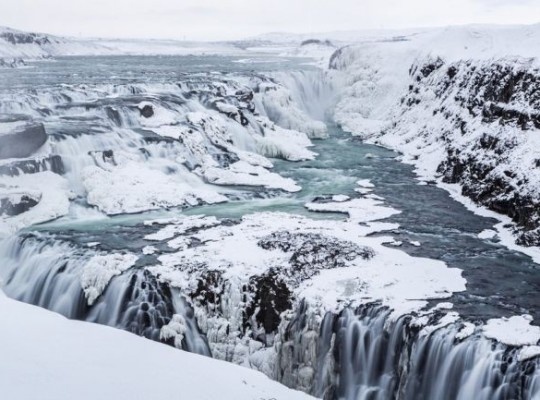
x=22, y=140
x=147, y=111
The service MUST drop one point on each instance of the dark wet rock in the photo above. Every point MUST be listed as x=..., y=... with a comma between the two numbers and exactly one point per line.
x=33, y=166
x=312, y=252
x=114, y=115
x=341, y=58
x=23, y=141
x=209, y=289
x=105, y=156
x=147, y=111
x=225, y=159
x=16, y=204
x=271, y=298
x=152, y=137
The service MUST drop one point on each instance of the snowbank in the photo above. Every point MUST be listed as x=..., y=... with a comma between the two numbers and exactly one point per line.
x=46, y=354
x=514, y=331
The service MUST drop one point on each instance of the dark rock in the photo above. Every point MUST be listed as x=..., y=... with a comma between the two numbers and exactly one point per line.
x=500, y=93
x=317, y=41
x=272, y=297
x=23, y=141
x=311, y=252
x=15, y=205
x=147, y=111
x=208, y=290
x=25, y=38
x=105, y=156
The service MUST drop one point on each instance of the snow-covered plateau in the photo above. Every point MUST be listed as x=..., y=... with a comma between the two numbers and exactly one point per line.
x=207, y=201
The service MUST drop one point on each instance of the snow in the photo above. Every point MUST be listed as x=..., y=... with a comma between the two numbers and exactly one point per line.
x=359, y=210
x=100, y=269
x=467, y=330
x=365, y=183
x=52, y=191
x=242, y=173
x=132, y=188
x=179, y=226
x=148, y=250
x=61, y=46
x=399, y=281
x=528, y=352
x=339, y=198
x=513, y=331
x=487, y=234
x=77, y=360
x=286, y=144
x=447, y=319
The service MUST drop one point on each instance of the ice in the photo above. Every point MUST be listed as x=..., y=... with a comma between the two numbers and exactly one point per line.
x=100, y=269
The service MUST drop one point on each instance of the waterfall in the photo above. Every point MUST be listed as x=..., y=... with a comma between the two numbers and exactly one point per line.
x=361, y=353
x=46, y=272
x=365, y=354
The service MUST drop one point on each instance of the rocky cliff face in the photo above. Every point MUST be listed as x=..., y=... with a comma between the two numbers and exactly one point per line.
x=459, y=108
x=484, y=117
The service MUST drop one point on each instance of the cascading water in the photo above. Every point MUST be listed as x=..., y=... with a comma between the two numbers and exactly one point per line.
x=365, y=354
x=47, y=273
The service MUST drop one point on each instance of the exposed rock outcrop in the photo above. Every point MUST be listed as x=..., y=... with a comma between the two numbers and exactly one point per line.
x=486, y=115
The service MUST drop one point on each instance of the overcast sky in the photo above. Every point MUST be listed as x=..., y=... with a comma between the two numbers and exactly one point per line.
x=232, y=19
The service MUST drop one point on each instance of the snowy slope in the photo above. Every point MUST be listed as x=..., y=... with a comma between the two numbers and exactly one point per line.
x=73, y=360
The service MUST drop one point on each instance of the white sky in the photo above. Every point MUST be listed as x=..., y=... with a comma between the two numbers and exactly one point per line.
x=233, y=19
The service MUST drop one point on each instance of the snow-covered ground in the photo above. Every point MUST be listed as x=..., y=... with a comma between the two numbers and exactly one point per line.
x=49, y=357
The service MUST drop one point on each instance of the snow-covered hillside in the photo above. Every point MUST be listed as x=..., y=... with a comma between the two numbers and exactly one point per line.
x=18, y=45
x=48, y=357
x=461, y=103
